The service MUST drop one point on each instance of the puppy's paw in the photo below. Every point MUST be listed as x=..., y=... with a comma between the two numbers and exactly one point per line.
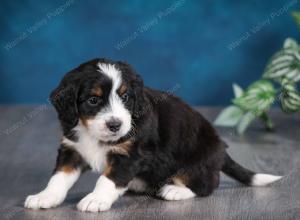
x=94, y=202
x=44, y=200
x=173, y=192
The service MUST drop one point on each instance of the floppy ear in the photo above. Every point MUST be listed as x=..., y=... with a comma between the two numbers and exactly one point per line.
x=64, y=99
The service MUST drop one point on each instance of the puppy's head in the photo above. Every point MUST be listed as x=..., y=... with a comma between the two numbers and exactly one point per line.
x=102, y=96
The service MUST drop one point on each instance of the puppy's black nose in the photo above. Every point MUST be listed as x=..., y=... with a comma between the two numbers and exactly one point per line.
x=114, y=124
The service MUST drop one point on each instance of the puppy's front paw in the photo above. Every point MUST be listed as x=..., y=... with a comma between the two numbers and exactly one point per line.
x=93, y=202
x=44, y=200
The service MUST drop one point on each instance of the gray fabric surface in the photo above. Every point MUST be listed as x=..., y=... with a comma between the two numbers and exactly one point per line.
x=30, y=137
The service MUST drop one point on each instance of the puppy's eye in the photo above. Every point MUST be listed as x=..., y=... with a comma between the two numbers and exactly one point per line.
x=94, y=101
x=125, y=97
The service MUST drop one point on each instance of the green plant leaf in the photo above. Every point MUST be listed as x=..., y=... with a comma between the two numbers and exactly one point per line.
x=237, y=90
x=290, y=43
x=285, y=63
x=296, y=16
x=290, y=97
x=267, y=121
x=245, y=122
x=229, y=117
x=258, y=97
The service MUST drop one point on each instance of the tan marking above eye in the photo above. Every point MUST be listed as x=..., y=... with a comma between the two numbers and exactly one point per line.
x=122, y=89
x=97, y=92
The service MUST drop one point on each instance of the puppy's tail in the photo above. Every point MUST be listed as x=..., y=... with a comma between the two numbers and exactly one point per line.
x=245, y=176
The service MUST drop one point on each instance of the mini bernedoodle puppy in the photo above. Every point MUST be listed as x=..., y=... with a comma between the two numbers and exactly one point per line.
x=137, y=138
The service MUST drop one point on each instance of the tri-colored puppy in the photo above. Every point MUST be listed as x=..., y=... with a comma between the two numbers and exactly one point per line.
x=137, y=138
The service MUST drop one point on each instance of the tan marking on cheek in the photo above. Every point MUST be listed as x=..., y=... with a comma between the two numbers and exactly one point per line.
x=122, y=148
x=122, y=89
x=97, y=92
x=85, y=120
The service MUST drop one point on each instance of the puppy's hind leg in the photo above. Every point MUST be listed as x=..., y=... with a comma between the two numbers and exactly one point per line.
x=191, y=182
x=177, y=190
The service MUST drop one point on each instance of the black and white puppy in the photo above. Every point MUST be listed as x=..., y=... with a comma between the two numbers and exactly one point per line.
x=137, y=138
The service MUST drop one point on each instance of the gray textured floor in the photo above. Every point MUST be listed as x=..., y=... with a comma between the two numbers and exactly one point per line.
x=30, y=137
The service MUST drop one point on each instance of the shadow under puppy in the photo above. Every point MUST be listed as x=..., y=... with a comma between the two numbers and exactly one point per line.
x=137, y=138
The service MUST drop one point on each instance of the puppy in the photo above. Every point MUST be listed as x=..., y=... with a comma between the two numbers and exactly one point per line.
x=137, y=138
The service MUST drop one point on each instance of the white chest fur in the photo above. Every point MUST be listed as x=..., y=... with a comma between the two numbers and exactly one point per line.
x=92, y=152
x=89, y=148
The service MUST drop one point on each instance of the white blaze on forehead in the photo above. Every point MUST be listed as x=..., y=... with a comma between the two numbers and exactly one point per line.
x=115, y=103
x=115, y=108
x=113, y=73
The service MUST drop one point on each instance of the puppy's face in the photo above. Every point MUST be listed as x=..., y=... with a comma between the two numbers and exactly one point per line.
x=104, y=99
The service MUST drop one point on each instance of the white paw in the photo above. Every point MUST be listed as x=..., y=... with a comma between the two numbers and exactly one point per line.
x=44, y=200
x=173, y=192
x=93, y=202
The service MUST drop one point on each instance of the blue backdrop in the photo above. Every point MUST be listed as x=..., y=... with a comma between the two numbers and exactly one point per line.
x=194, y=48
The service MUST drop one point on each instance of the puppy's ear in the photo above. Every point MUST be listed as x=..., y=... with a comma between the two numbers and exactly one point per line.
x=64, y=99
